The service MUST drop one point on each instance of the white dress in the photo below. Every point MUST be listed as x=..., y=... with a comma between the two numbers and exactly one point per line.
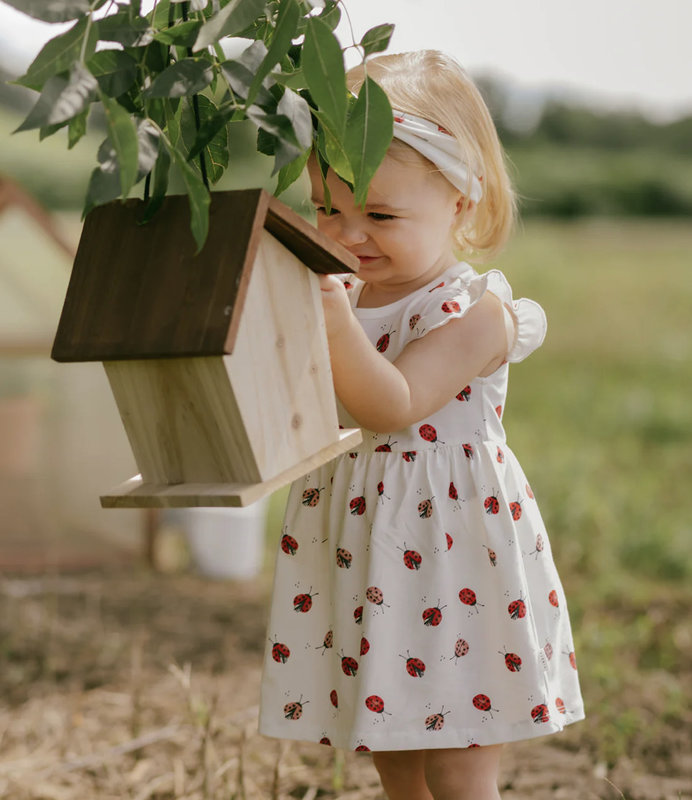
x=416, y=603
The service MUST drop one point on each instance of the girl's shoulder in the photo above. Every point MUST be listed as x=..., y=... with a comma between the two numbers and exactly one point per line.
x=459, y=289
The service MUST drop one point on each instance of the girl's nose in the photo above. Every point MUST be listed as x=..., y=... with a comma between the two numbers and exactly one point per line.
x=348, y=232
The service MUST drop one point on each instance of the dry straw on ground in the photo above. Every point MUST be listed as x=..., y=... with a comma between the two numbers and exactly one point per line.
x=145, y=687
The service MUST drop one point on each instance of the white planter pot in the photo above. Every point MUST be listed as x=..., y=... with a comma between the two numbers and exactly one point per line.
x=227, y=542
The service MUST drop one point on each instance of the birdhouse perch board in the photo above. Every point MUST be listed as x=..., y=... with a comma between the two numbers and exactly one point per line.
x=218, y=361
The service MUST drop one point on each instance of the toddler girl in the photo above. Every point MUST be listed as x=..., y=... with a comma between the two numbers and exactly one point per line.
x=417, y=612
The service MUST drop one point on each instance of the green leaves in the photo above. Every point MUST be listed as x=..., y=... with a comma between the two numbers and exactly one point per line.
x=59, y=54
x=197, y=194
x=376, y=39
x=230, y=21
x=323, y=67
x=368, y=135
x=184, y=77
x=169, y=92
x=123, y=136
x=114, y=70
x=53, y=10
x=62, y=98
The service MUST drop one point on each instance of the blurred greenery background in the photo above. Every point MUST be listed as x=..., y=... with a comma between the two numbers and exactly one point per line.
x=601, y=417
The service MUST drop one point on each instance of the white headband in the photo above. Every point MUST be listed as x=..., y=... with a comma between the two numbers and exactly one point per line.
x=440, y=147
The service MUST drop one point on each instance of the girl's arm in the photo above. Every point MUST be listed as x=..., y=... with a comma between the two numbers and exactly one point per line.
x=383, y=396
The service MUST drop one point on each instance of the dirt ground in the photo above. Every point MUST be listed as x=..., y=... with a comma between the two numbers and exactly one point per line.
x=144, y=686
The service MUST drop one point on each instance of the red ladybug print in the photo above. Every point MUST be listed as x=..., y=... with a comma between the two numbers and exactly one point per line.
x=280, y=652
x=468, y=598
x=492, y=556
x=453, y=494
x=433, y=616
x=294, y=710
x=414, y=666
x=461, y=648
x=327, y=643
x=560, y=705
x=380, y=492
x=325, y=740
x=425, y=508
x=439, y=286
x=349, y=666
x=413, y=321
x=334, y=698
x=375, y=596
x=385, y=448
x=540, y=713
x=500, y=456
x=311, y=497
x=435, y=722
x=529, y=492
x=552, y=598
x=429, y=433
x=383, y=342
x=303, y=602
x=375, y=704
x=357, y=506
x=450, y=541
x=517, y=609
x=512, y=662
x=515, y=509
x=572, y=659
x=468, y=450
x=548, y=650
x=409, y=455
x=498, y=411
x=412, y=559
x=450, y=307
x=362, y=748
x=364, y=646
x=491, y=504
x=343, y=558
x=464, y=394
x=289, y=545
x=358, y=615
x=539, y=546
x=482, y=703
x=348, y=285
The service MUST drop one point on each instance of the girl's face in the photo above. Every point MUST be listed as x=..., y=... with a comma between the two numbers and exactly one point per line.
x=403, y=237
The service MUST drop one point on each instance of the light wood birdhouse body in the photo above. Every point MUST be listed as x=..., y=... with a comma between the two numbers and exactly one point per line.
x=218, y=361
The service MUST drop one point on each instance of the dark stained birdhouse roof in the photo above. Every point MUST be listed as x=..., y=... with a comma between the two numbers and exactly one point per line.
x=140, y=291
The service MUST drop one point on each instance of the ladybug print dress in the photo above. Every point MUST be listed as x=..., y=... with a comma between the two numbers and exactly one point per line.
x=416, y=603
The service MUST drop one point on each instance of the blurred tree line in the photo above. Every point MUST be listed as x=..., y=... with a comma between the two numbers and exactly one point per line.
x=567, y=160
x=572, y=160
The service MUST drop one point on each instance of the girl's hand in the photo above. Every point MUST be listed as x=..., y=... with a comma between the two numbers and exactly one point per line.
x=337, y=309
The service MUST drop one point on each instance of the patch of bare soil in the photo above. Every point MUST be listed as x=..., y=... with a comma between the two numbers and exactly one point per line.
x=145, y=687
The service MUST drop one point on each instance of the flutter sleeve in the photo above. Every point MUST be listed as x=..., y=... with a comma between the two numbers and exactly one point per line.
x=453, y=299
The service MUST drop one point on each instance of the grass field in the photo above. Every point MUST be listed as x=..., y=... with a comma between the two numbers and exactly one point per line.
x=601, y=420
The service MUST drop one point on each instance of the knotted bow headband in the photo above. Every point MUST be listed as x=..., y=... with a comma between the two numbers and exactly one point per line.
x=440, y=147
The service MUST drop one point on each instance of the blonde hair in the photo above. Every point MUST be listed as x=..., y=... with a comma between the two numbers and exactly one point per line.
x=434, y=86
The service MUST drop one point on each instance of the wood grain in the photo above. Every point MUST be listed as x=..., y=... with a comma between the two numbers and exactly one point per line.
x=280, y=370
x=135, y=493
x=141, y=291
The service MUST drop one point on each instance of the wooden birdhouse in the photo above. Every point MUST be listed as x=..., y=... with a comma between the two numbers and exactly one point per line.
x=218, y=361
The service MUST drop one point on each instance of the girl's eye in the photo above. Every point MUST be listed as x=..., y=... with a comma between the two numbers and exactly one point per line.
x=323, y=210
x=380, y=217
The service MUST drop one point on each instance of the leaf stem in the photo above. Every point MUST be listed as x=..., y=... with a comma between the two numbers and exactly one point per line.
x=85, y=40
x=195, y=108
